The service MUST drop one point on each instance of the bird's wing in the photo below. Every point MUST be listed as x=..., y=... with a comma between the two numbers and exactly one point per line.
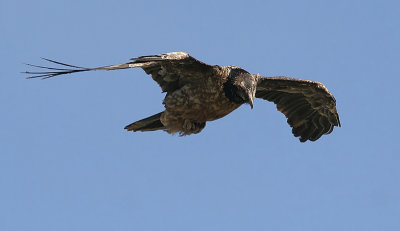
x=173, y=70
x=50, y=72
x=169, y=70
x=309, y=106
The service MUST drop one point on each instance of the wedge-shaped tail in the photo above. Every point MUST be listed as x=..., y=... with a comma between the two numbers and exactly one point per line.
x=151, y=123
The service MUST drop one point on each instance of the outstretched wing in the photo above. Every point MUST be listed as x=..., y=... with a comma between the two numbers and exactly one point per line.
x=173, y=70
x=169, y=70
x=50, y=72
x=309, y=107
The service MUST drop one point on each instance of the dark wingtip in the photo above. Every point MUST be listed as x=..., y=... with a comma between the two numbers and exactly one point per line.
x=63, y=64
x=53, y=71
x=303, y=139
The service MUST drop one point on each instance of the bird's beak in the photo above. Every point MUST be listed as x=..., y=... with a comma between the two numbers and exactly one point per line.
x=251, y=99
x=251, y=102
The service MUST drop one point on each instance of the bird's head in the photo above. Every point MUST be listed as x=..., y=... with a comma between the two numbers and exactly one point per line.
x=240, y=86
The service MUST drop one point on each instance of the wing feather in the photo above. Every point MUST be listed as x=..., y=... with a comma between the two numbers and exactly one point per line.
x=309, y=107
x=169, y=70
x=50, y=72
x=173, y=70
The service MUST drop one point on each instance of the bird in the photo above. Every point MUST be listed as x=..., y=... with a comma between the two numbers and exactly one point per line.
x=197, y=92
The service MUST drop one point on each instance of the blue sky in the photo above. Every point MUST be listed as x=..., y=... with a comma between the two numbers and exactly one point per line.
x=67, y=164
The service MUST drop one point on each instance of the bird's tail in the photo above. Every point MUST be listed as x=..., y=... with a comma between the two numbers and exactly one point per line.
x=151, y=123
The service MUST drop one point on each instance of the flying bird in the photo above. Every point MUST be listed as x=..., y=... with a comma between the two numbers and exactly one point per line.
x=197, y=92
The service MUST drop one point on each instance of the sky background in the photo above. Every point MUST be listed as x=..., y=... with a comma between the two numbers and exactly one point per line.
x=66, y=163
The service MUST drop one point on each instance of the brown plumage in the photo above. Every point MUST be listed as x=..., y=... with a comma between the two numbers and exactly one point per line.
x=198, y=92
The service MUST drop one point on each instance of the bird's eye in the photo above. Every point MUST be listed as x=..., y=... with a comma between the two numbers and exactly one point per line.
x=242, y=94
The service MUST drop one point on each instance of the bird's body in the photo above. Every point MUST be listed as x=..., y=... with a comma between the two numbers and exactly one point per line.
x=189, y=107
x=198, y=92
x=195, y=104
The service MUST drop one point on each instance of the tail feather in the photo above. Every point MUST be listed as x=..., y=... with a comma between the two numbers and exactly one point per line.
x=151, y=123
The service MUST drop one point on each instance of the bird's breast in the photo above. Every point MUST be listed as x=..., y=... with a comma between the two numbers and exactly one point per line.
x=205, y=103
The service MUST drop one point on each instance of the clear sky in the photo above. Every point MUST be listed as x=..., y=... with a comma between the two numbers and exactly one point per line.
x=66, y=163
